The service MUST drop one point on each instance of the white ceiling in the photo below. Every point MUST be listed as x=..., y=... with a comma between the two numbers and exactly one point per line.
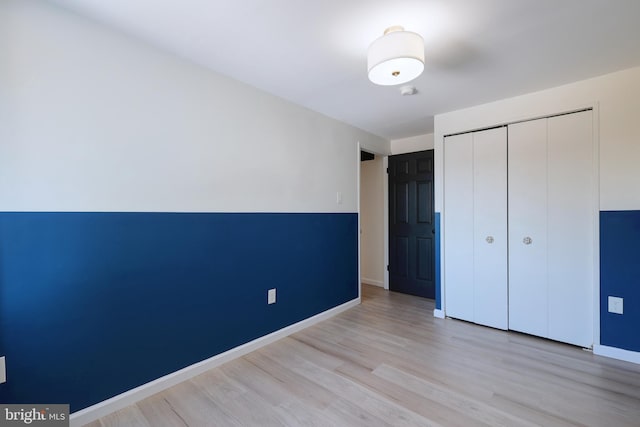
x=313, y=52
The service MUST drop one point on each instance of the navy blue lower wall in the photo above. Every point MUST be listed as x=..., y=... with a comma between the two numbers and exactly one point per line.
x=94, y=304
x=620, y=277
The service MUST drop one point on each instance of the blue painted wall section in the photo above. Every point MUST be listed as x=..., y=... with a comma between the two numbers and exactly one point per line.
x=94, y=304
x=437, y=284
x=620, y=277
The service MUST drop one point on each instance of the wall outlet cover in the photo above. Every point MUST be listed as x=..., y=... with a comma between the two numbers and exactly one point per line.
x=3, y=370
x=271, y=296
x=616, y=305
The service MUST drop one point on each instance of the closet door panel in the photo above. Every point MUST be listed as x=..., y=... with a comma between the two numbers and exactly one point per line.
x=490, y=227
x=458, y=226
x=571, y=228
x=527, y=194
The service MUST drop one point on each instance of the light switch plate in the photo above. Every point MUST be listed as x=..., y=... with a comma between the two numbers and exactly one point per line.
x=271, y=296
x=616, y=305
x=3, y=370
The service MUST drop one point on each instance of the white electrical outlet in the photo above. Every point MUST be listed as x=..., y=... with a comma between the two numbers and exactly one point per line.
x=271, y=296
x=616, y=305
x=3, y=370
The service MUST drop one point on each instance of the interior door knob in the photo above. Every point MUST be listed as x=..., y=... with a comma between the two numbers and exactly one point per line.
x=527, y=240
x=489, y=239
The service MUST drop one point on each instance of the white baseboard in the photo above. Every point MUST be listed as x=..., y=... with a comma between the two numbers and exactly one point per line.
x=438, y=313
x=94, y=412
x=372, y=282
x=617, y=353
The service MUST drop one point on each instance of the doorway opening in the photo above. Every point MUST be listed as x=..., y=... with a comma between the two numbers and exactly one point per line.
x=372, y=219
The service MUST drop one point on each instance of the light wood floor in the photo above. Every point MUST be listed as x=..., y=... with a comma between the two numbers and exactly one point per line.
x=388, y=362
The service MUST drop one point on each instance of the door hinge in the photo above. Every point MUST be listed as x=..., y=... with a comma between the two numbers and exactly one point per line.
x=387, y=170
x=387, y=267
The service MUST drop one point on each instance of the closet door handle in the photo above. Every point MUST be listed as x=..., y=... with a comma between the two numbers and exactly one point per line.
x=527, y=240
x=489, y=239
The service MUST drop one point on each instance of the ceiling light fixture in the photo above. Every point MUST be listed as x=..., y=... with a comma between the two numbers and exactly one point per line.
x=395, y=58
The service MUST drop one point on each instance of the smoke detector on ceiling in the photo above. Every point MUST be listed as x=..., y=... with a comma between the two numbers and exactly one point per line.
x=408, y=90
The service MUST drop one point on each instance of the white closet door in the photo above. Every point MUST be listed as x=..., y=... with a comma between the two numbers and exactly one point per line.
x=490, y=227
x=458, y=226
x=528, y=285
x=571, y=228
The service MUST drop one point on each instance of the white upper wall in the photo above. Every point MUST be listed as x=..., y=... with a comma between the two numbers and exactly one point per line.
x=412, y=144
x=616, y=101
x=92, y=120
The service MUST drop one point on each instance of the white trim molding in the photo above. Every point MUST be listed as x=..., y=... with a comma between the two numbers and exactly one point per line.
x=438, y=313
x=617, y=353
x=385, y=219
x=94, y=412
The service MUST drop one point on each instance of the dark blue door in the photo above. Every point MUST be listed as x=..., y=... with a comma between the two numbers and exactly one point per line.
x=411, y=227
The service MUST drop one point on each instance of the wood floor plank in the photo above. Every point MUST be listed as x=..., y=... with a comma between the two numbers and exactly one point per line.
x=346, y=413
x=347, y=390
x=234, y=401
x=159, y=412
x=196, y=408
x=389, y=362
x=261, y=382
x=476, y=410
x=405, y=397
x=127, y=417
x=310, y=392
x=296, y=413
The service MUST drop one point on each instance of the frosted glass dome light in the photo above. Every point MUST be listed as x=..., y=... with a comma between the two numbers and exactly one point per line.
x=395, y=58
